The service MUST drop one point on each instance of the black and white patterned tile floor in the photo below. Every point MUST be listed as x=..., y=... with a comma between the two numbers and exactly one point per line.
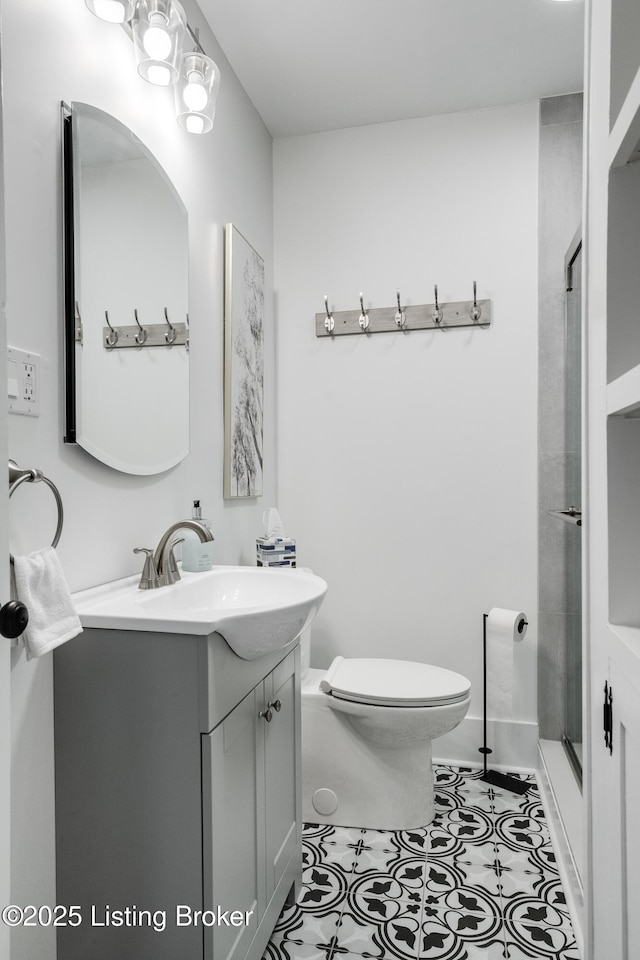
x=479, y=883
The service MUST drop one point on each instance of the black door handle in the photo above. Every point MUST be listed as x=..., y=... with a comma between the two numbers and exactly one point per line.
x=14, y=618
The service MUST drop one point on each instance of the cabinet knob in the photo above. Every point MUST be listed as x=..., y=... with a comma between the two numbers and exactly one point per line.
x=267, y=714
x=14, y=618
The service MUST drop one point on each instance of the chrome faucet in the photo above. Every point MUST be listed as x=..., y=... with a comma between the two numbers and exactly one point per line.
x=164, y=558
x=160, y=568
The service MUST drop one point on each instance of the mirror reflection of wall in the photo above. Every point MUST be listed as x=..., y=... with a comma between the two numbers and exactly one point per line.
x=130, y=248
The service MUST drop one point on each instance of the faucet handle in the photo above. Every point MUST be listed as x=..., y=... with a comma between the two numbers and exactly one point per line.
x=149, y=579
x=170, y=567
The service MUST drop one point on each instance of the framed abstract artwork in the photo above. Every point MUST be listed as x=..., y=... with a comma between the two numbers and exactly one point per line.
x=243, y=367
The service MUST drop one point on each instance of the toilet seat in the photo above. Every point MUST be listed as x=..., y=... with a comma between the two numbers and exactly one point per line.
x=393, y=683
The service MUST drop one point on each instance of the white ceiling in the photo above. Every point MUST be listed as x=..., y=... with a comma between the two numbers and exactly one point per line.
x=312, y=65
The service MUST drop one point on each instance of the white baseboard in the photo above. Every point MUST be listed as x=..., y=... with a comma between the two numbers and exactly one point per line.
x=514, y=744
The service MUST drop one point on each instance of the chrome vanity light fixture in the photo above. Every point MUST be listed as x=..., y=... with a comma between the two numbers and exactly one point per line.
x=159, y=28
x=196, y=92
x=113, y=11
x=160, y=32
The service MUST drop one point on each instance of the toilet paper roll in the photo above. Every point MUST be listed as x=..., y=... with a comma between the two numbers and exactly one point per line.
x=504, y=628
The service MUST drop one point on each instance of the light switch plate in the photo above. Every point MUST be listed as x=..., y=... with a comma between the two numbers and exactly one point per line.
x=23, y=382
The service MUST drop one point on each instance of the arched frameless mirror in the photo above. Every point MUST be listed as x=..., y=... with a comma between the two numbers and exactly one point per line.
x=126, y=298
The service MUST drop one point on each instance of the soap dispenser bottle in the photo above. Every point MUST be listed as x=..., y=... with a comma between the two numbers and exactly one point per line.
x=196, y=556
x=196, y=514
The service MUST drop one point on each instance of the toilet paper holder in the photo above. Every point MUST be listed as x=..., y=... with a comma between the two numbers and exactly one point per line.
x=494, y=777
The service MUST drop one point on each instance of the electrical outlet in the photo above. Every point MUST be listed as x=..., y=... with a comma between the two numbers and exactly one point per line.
x=23, y=385
x=29, y=382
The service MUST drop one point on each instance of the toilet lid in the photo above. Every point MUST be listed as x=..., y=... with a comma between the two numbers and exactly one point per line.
x=394, y=682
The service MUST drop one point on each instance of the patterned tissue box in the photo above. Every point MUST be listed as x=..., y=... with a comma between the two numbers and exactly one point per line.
x=275, y=552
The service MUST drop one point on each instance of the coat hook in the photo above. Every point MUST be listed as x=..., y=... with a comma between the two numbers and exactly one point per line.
x=112, y=337
x=172, y=333
x=437, y=313
x=476, y=311
x=364, y=317
x=141, y=335
x=77, y=319
x=400, y=315
x=329, y=323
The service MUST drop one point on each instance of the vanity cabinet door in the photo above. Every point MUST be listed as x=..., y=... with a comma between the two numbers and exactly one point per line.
x=251, y=814
x=233, y=871
x=281, y=760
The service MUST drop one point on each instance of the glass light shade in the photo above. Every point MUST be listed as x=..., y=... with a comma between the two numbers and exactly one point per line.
x=159, y=28
x=196, y=92
x=113, y=11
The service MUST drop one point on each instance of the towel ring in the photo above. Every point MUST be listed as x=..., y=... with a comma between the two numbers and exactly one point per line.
x=18, y=476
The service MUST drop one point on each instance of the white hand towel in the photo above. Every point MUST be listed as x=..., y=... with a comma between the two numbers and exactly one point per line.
x=41, y=586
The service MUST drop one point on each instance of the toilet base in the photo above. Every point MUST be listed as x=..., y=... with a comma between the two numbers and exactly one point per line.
x=393, y=787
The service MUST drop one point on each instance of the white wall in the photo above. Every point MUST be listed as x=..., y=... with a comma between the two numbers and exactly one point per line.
x=59, y=51
x=407, y=462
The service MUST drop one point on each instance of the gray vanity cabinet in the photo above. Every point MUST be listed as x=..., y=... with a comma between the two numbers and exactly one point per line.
x=174, y=794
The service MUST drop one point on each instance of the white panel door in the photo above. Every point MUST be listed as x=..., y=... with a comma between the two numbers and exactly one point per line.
x=5, y=690
x=622, y=823
x=5, y=675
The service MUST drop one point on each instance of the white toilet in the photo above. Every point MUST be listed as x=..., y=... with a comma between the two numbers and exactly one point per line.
x=367, y=727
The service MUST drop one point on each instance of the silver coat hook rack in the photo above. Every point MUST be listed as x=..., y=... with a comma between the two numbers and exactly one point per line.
x=329, y=322
x=364, y=317
x=141, y=335
x=403, y=317
x=476, y=312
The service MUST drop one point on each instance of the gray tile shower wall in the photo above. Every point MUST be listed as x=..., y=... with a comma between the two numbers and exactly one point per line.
x=560, y=188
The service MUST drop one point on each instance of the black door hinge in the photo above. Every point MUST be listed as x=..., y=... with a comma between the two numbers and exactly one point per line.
x=608, y=717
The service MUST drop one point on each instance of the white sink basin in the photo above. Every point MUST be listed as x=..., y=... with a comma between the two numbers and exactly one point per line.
x=256, y=610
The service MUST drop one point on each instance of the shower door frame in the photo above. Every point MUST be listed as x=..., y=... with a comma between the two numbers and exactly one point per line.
x=573, y=252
